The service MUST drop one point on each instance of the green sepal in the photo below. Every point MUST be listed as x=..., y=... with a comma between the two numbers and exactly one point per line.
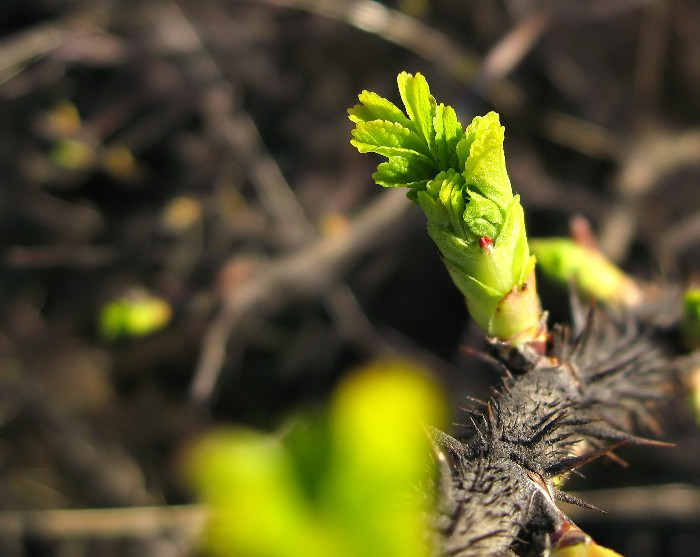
x=518, y=317
x=512, y=239
x=485, y=277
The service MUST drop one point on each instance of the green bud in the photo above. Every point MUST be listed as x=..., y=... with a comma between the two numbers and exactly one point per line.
x=588, y=269
x=342, y=482
x=690, y=318
x=479, y=227
x=458, y=177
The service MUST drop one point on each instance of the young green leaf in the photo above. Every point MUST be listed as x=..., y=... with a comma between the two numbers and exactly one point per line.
x=390, y=140
x=420, y=106
x=375, y=107
x=402, y=172
x=485, y=161
x=448, y=132
x=382, y=128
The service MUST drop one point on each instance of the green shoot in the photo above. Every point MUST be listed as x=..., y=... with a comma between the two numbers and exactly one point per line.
x=592, y=274
x=459, y=179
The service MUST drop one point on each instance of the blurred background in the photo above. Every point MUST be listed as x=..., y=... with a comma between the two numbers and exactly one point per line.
x=188, y=239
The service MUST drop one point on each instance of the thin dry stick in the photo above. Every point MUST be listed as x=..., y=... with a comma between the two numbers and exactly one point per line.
x=238, y=130
x=582, y=136
x=658, y=502
x=230, y=125
x=242, y=135
x=307, y=271
x=19, y=51
x=395, y=27
x=182, y=521
x=680, y=236
x=651, y=52
x=670, y=501
x=514, y=46
x=646, y=162
x=38, y=257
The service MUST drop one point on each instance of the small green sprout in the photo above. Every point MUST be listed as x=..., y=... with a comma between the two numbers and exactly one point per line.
x=592, y=274
x=458, y=177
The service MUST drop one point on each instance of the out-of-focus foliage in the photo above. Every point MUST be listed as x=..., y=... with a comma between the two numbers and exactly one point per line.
x=353, y=480
x=135, y=314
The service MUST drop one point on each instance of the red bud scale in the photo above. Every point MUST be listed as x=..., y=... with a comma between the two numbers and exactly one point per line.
x=486, y=243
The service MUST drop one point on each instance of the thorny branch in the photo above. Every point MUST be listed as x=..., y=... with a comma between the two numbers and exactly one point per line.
x=496, y=490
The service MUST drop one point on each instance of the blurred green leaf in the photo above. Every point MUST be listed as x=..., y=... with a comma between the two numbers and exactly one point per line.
x=483, y=159
x=73, y=154
x=135, y=314
x=353, y=481
x=381, y=457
